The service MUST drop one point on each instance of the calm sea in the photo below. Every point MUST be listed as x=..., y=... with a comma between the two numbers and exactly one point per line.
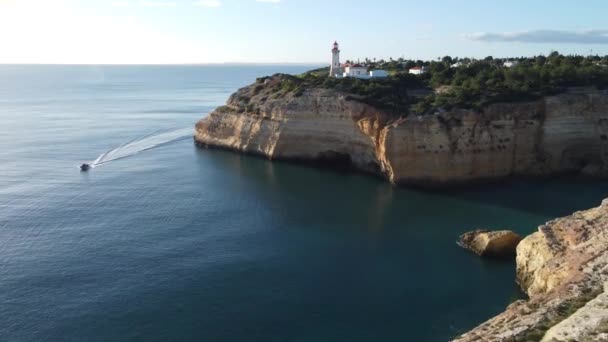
x=181, y=244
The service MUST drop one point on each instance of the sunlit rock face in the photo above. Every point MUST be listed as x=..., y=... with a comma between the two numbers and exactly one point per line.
x=320, y=125
x=485, y=243
x=566, y=133
x=558, y=134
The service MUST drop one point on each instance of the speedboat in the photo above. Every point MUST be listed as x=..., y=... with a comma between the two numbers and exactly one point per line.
x=85, y=167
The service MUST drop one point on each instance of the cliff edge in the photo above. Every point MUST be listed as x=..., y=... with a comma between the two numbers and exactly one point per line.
x=565, y=133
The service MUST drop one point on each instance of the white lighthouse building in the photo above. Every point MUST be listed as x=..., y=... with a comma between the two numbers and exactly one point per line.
x=335, y=70
x=338, y=70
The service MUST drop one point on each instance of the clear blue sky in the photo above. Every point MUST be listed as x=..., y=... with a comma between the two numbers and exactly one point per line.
x=294, y=31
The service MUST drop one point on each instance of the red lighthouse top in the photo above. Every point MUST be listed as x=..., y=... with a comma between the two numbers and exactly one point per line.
x=335, y=46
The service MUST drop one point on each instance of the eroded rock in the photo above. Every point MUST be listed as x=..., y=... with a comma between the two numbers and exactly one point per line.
x=487, y=243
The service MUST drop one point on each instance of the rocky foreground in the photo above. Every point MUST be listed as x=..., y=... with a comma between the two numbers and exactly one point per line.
x=564, y=269
x=566, y=133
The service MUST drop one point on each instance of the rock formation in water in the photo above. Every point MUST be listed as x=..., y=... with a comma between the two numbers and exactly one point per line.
x=564, y=269
x=566, y=133
x=486, y=243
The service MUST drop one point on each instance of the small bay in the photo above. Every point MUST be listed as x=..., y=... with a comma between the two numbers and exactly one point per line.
x=178, y=243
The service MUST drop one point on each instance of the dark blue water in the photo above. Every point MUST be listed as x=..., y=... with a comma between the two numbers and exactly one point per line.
x=181, y=244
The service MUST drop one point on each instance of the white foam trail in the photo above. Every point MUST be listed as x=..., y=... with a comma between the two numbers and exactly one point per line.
x=143, y=143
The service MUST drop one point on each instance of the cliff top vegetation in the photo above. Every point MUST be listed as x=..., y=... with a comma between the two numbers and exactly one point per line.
x=452, y=82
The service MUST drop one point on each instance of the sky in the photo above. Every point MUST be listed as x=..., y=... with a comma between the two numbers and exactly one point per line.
x=293, y=31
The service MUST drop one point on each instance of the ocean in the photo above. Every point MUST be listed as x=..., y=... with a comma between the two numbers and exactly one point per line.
x=168, y=242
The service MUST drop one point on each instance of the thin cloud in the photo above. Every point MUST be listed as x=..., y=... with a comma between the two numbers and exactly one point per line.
x=544, y=36
x=208, y=3
x=269, y=1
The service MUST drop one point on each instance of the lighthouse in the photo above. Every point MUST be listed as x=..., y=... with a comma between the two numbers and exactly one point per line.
x=335, y=70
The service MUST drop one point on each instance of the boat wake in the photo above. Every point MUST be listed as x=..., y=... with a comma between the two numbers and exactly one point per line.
x=144, y=143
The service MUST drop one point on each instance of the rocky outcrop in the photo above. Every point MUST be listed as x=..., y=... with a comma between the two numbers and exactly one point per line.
x=486, y=243
x=556, y=134
x=564, y=269
x=321, y=125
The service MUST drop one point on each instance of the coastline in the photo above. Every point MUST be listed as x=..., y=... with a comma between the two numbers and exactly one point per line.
x=565, y=134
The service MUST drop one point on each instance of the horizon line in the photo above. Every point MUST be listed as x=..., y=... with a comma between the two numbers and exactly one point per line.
x=174, y=64
x=276, y=63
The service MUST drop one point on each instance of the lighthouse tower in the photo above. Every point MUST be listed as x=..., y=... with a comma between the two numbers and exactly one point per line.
x=335, y=70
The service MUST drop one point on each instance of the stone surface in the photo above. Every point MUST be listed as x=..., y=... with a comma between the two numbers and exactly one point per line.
x=316, y=126
x=486, y=243
x=589, y=323
x=564, y=269
x=556, y=134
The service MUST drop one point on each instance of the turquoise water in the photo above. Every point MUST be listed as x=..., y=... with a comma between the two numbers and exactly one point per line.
x=184, y=244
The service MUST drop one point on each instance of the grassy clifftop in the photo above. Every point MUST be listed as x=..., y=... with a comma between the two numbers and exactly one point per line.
x=392, y=94
x=448, y=83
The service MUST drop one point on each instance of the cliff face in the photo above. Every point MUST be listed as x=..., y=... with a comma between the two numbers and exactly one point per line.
x=564, y=133
x=319, y=125
x=557, y=134
x=564, y=269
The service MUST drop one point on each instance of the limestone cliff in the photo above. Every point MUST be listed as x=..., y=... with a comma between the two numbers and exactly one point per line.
x=320, y=125
x=556, y=134
x=564, y=269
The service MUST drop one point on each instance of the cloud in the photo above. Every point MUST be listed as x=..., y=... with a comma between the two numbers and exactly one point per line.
x=269, y=1
x=544, y=36
x=208, y=3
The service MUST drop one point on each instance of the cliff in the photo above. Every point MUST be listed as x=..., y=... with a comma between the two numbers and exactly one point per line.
x=564, y=269
x=566, y=133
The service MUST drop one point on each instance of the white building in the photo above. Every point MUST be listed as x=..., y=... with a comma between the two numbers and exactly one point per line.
x=350, y=70
x=355, y=70
x=418, y=70
x=378, y=73
x=509, y=64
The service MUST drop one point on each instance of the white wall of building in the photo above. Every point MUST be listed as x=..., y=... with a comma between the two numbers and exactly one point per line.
x=335, y=63
x=417, y=71
x=351, y=71
x=378, y=73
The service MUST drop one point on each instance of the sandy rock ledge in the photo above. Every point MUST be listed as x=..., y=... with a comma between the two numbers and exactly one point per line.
x=500, y=244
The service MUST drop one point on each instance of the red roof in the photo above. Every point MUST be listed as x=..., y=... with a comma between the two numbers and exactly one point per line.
x=416, y=68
